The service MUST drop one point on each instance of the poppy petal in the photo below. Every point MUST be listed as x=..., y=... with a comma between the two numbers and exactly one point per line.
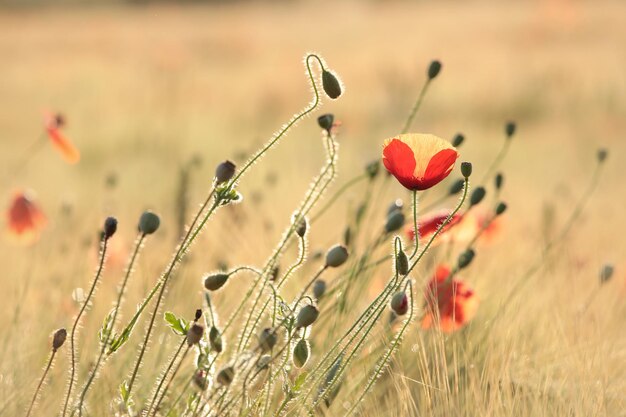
x=399, y=160
x=63, y=145
x=440, y=166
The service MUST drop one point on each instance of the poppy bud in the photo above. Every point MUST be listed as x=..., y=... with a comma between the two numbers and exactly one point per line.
x=264, y=361
x=226, y=376
x=400, y=303
x=110, y=226
x=606, y=273
x=215, y=282
x=456, y=186
x=466, y=258
x=149, y=223
x=477, y=196
x=301, y=227
x=433, y=69
x=372, y=169
x=58, y=339
x=197, y=315
x=326, y=121
x=500, y=208
x=336, y=256
x=395, y=221
x=466, y=169
x=224, y=172
x=510, y=129
x=402, y=263
x=396, y=205
x=307, y=316
x=458, y=140
x=602, y=154
x=301, y=353
x=59, y=120
x=319, y=288
x=194, y=334
x=274, y=273
x=499, y=180
x=215, y=339
x=331, y=84
x=199, y=378
x=267, y=339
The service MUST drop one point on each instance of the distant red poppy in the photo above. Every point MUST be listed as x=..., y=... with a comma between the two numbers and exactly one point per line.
x=452, y=301
x=430, y=223
x=24, y=218
x=492, y=229
x=419, y=161
x=53, y=125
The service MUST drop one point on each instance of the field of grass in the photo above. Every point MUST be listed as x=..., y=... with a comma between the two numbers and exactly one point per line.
x=157, y=96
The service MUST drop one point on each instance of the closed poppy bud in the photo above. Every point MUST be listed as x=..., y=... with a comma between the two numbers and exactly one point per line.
x=510, y=129
x=326, y=121
x=194, y=334
x=301, y=227
x=500, y=208
x=606, y=273
x=110, y=226
x=433, y=69
x=58, y=339
x=307, y=316
x=396, y=205
x=456, y=186
x=215, y=281
x=264, y=361
x=199, y=378
x=458, y=140
x=226, y=376
x=402, y=263
x=215, y=339
x=466, y=258
x=466, y=169
x=149, y=223
x=331, y=84
x=319, y=288
x=274, y=273
x=267, y=339
x=400, y=303
x=477, y=196
x=395, y=221
x=197, y=315
x=224, y=172
x=301, y=353
x=602, y=155
x=336, y=256
x=499, y=180
x=372, y=169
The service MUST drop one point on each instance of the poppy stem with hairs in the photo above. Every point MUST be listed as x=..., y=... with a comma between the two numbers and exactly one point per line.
x=415, y=228
x=416, y=106
x=43, y=377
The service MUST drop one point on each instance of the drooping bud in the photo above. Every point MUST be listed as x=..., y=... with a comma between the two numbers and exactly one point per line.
x=319, y=288
x=149, y=223
x=216, y=281
x=215, y=339
x=267, y=339
x=301, y=226
x=197, y=315
x=606, y=273
x=477, y=196
x=336, y=256
x=402, y=263
x=395, y=221
x=331, y=84
x=433, y=69
x=326, y=121
x=466, y=169
x=466, y=258
x=458, y=140
x=509, y=129
x=301, y=353
x=372, y=169
x=602, y=154
x=225, y=376
x=58, y=339
x=400, y=303
x=224, y=172
x=110, y=227
x=500, y=208
x=456, y=186
x=194, y=334
x=307, y=316
x=499, y=180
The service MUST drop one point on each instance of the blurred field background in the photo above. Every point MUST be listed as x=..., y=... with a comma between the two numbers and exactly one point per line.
x=148, y=88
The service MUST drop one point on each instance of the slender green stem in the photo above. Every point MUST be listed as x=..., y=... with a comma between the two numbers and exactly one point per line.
x=415, y=226
x=169, y=383
x=498, y=159
x=337, y=194
x=416, y=106
x=40, y=384
x=165, y=374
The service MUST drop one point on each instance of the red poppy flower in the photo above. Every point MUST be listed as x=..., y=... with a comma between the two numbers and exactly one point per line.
x=429, y=224
x=418, y=161
x=492, y=229
x=452, y=301
x=24, y=218
x=53, y=125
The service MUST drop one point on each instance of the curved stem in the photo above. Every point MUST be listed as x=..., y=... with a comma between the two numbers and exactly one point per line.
x=416, y=106
x=43, y=377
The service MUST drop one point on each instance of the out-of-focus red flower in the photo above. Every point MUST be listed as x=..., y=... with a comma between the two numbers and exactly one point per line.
x=25, y=220
x=429, y=224
x=492, y=230
x=419, y=161
x=451, y=300
x=53, y=125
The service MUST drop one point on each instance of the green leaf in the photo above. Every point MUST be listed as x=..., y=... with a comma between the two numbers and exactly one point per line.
x=300, y=380
x=107, y=326
x=178, y=325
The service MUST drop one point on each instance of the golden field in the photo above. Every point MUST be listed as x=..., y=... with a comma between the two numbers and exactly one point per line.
x=146, y=89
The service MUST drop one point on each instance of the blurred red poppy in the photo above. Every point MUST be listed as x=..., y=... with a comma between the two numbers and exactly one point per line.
x=419, y=161
x=449, y=300
x=25, y=220
x=430, y=223
x=53, y=125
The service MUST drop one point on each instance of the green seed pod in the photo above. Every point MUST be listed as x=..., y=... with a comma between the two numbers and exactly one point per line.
x=433, y=69
x=149, y=223
x=110, y=227
x=477, y=196
x=602, y=154
x=466, y=169
x=500, y=208
x=400, y=303
x=200, y=380
x=301, y=353
x=331, y=84
x=509, y=129
x=466, y=258
x=307, y=316
x=395, y=221
x=606, y=273
x=499, y=180
x=456, y=186
x=336, y=256
x=215, y=281
x=402, y=263
x=58, y=339
x=319, y=288
x=224, y=172
x=194, y=334
x=267, y=339
x=372, y=169
x=215, y=339
x=458, y=140
x=326, y=121
x=225, y=376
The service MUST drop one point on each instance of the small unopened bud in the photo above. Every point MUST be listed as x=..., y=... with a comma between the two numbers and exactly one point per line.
x=307, y=316
x=400, y=303
x=372, y=169
x=149, y=223
x=110, y=227
x=477, y=196
x=215, y=339
x=606, y=273
x=499, y=180
x=197, y=315
x=395, y=221
x=336, y=256
x=274, y=273
x=301, y=226
x=402, y=263
x=319, y=288
x=500, y=208
x=214, y=282
x=194, y=334
x=59, y=120
x=264, y=361
x=456, y=186
x=509, y=129
x=602, y=154
x=396, y=205
x=267, y=339
x=58, y=339
x=433, y=69
x=225, y=376
x=301, y=353
x=466, y=258
x=326, y=121
x=331, y=84
x=224, y=172
x=458, y=140
x=200, y=380
x=466, y=169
